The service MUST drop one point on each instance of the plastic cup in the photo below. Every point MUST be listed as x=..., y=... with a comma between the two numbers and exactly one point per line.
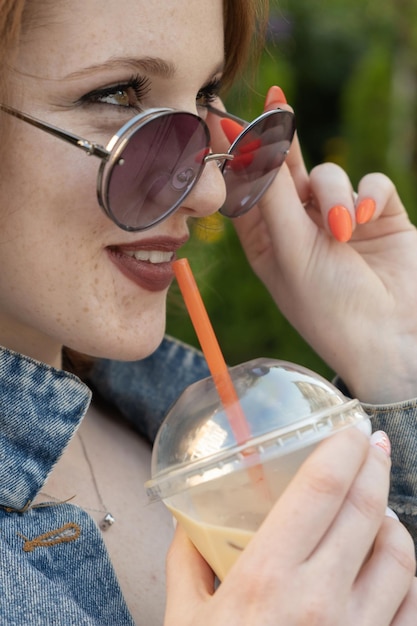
x=219, y=490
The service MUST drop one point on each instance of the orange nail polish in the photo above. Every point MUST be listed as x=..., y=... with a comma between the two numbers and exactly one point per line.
x=241, y=161
x=251, y=146
x=365, y=210
x=231, y=129
x=340, y=223
x=275, y=96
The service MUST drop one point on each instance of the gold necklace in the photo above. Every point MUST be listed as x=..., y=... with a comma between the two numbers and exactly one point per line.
x=108, y=520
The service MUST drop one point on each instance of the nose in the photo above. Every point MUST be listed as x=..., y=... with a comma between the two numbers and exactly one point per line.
x=208, y=194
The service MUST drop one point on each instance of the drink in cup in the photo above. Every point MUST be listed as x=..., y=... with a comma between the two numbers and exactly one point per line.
x=220, y=487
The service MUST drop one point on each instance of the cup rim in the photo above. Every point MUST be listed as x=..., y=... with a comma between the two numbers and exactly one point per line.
x=277, y=442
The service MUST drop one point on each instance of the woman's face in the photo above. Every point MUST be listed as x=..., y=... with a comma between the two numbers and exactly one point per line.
x=68, y=274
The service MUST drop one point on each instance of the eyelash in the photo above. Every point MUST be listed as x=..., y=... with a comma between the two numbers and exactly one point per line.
x=140, y=86
x=209, y=92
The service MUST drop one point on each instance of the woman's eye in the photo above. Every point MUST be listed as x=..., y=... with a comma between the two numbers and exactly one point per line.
x=127, y=95
x=121, y=97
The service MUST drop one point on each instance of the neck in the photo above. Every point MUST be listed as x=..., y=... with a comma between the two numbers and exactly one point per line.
x=31, y=344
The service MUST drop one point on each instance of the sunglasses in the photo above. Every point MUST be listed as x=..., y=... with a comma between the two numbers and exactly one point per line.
x=152, y=163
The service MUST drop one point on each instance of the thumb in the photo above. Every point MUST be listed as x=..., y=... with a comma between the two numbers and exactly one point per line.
x=190, y=581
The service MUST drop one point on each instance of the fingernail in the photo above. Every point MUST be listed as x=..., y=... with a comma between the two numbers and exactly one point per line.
x=241, y=162
x=251, y=146
x=390, y=513
x=340, y=223
x=379, y=439
x=365, y=210
x=275, y=96
x=231, y=129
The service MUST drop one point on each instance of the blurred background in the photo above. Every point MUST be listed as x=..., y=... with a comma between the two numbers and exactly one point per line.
x=349, y=69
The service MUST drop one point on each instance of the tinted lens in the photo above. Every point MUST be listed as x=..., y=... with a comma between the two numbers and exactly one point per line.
x=156, y=169
x=258, y=153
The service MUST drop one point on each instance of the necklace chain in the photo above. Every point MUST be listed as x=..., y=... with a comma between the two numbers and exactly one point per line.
x=108, y=519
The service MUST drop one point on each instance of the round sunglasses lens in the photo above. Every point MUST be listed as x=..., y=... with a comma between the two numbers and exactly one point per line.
x=258, y=154
x=156, y=169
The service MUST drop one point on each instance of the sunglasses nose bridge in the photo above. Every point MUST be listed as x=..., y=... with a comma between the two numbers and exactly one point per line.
x=218, y=157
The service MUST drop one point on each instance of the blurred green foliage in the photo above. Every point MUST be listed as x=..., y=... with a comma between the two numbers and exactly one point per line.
x=348, y=67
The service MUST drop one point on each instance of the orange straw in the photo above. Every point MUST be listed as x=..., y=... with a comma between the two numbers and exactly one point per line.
x=211, y=350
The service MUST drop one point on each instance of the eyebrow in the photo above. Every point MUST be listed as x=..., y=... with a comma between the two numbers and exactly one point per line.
x=154, y=66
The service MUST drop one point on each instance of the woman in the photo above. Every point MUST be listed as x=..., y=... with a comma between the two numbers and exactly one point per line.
x=71, y=276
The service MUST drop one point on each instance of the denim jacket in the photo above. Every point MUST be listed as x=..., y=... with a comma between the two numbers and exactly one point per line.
x=54, y=568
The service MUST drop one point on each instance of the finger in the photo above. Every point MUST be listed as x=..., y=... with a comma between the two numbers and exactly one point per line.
x=376, y=195
x=275, y=98
x=341, y=210
x=306, y=510
x=280, y=224
x=333, y=194
x=352, y=534
x=189, y=579
x=407, y=613
x=287, y=226
x=296, y=165
x=385, y=579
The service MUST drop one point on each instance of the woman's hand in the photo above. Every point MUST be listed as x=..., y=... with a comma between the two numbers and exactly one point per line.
x=353, y=299
x=325, y=555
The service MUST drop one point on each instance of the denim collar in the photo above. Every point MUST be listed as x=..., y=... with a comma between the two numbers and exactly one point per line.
x=40, y=409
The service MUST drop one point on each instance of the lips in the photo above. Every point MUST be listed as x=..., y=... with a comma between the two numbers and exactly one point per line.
x=147, y=263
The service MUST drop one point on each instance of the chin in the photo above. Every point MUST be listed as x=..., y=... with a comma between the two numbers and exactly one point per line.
x=121, y=339
x=126, y=349
x=132, y=354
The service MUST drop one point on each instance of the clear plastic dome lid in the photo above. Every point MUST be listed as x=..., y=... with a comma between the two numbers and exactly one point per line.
x=286, y=406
